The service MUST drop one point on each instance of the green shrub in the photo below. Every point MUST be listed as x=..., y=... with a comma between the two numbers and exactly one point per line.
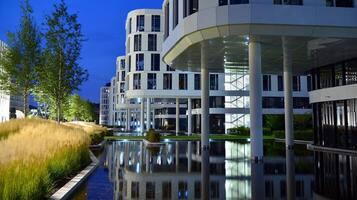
x=245, y=131
x=152, y=136
x=303, y=122
x=274, y=122
x=298, y=134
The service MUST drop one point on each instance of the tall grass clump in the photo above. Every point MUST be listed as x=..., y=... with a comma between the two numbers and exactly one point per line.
x=39, y=155
x=96, y=132
x=13, y=126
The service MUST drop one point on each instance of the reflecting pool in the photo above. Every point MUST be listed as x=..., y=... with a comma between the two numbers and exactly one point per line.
x=176, y=170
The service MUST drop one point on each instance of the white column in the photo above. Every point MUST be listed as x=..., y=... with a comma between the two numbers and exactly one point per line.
x=204, y=101
x=255, y=91
x=142, y=123
x=177, y=116
x=189, y=116
x=288, y=95
x=153, y=116
x=148, y=114
x=189, y=157
x=128, y=119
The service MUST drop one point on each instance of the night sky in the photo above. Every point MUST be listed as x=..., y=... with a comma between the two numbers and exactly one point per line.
x=103, y=25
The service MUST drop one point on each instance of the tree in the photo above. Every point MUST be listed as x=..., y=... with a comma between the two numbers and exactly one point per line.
x=23, y=55
x=61, y=73
x=79, y=109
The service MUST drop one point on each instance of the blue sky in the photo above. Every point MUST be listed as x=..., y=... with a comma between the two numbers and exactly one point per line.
x=103, y=25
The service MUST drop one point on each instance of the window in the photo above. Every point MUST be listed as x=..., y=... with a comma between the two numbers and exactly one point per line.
x=155, y=62
x=151, y=81
x=197, y=81
x=166, y=190
x=289, y=2
x=213, y=81
x=266, y=83
x=130, y=21
x=269, y=189
x=182, y=190
x=339, y=3
x=183, y=81
x=150, y=190
x=139, y=62
x=169, y=69
x=175, y=15
x=214, y=190
x=167, y=17
x=167, y=82
x=309, y=83
x=137, y=42
x=239, y=2
x=137, y=82
x=155, y=23
x=223, y=2
x=190, y=7
x=197, y=190
x=134, y=190
x=296, y=83
x=122, y=64
x=152, y=42
x=129, y=63
x=123, y=76
x=280, y=83
x=140, y=23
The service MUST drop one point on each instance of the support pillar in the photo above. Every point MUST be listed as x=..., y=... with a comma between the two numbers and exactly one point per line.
x=142, y=123
x=255, y=92
x=177, y=116
x=189, y=116
x=288, y=95
x=128, y=119
x=204, y=101
x=148, y=114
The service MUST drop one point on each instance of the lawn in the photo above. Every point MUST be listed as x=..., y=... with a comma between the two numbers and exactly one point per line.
x=35, y=155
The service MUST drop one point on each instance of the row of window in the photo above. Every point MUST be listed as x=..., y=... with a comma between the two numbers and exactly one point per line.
x=267, y=83
x=140, y=62
x=342, y=73
x=329, y=3
x=152, y=42
x=167, y=190
x=278, y=102
x=140, y=23
x=167, y=82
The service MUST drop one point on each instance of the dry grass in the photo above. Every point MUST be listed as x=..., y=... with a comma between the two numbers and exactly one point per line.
x=36, y=154
x=96, y=132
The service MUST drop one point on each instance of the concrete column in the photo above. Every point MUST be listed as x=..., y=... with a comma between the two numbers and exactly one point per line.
x=255, y=91
x=205, y=175
x=189, y=116
x=142, y=123
x=128, y=119
x=290, y=174
x=148, y=114
x=177, y=116
x=204, y=100
x=189, y=157
x=288, y=95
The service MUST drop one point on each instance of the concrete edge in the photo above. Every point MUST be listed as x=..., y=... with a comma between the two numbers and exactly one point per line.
x=295, y=141
x=68, y=189
x=348, y=152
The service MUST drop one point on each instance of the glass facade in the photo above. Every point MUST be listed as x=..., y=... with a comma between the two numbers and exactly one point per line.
x=155, y=23
x=335, y=121
x=140, y=23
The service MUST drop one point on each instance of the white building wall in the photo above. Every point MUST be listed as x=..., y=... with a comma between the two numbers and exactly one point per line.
x=4, y=97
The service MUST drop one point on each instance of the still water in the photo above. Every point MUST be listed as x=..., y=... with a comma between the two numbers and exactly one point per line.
x=180, y=170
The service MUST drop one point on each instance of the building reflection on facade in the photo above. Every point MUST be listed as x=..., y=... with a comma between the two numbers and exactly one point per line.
x=176, y=170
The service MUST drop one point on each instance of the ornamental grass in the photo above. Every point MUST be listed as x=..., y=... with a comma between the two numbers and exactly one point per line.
x=37, y=155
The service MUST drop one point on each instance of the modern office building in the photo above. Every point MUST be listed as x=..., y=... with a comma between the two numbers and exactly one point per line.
x=104, y=104
x=4, y=96
x=144, y=84
x=269, y=37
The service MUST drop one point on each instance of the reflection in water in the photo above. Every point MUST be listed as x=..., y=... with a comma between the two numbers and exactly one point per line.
x=176, y=171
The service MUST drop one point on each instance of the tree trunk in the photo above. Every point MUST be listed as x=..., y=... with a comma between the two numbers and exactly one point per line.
x=58, y=113
x=26, y=99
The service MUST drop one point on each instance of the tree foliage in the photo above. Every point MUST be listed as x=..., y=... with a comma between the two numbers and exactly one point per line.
x=61, y=73
x=78, y=109
x=21, y=59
